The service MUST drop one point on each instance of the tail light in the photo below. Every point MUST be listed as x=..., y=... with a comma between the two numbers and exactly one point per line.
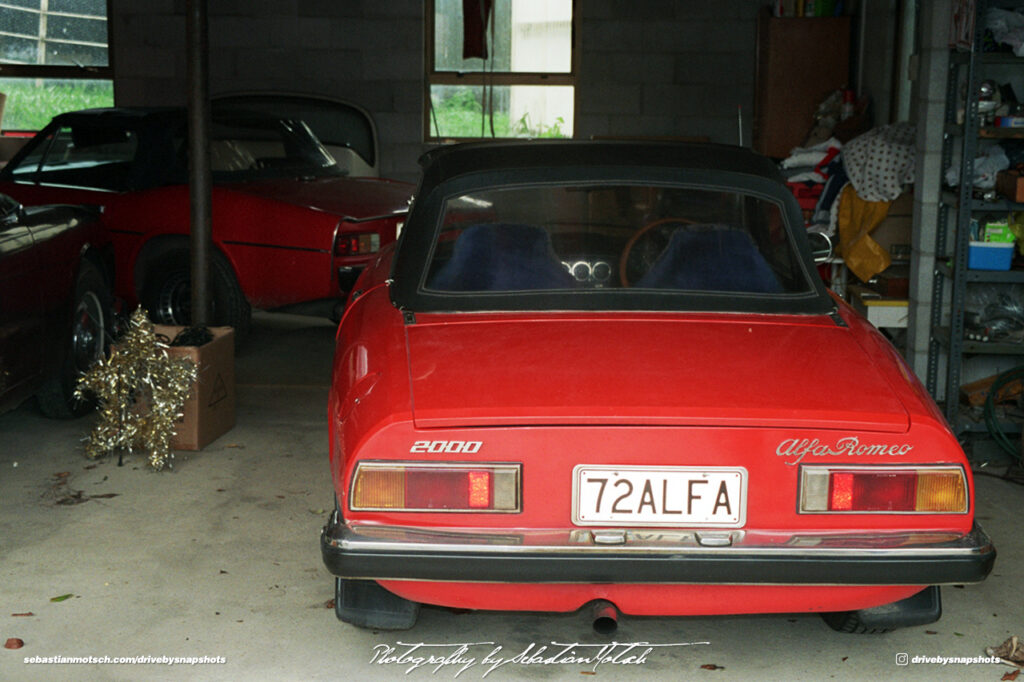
x=378, y=486
x=356, y=244
x=921, y=490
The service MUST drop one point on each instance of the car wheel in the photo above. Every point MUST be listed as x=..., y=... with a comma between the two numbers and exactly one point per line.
x=167, y=294
x=88, y=340
x=366, y=604
x=920, y=609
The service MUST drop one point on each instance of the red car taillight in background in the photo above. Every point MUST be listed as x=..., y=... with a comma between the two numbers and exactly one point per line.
x=923, y=490
x=356, y=244
x=410, y=486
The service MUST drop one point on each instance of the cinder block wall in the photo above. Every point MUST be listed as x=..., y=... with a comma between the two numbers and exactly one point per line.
x=647, y=67
x=658, y=68
x=365, y=51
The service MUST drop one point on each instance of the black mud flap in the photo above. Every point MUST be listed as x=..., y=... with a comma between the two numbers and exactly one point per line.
x=920, y=609
x=366, y=604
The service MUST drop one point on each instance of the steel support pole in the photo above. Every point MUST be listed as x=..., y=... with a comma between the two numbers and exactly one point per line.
x=199, y=160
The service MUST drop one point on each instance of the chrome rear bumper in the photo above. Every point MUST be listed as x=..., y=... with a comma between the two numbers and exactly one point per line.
x=641, y=556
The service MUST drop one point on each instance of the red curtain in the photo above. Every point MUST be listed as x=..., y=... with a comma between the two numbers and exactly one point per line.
x=476, y=14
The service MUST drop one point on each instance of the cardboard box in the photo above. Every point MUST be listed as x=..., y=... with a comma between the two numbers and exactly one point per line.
x=894, y=232
x=976, y=392
x=1010, y=184
x=210, y=410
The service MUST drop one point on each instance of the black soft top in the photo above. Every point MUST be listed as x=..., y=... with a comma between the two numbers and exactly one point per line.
x=461, y=169
x=629, y=157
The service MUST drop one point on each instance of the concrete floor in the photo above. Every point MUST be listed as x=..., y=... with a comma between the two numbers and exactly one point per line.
x=220, y=558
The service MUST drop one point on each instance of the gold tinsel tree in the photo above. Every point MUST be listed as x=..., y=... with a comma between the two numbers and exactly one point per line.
x=140, y=391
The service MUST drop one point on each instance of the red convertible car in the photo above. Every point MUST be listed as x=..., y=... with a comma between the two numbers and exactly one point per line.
x=55, y=266
x=607, y=374
x=291, y=228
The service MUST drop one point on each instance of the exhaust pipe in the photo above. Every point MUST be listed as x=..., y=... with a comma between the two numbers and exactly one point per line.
x=606, y=617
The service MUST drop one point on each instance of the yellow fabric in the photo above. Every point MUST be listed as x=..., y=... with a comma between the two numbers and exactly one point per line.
x=857, y=218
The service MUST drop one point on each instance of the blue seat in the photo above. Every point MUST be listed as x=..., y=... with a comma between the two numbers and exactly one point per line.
x=502, y=257
x=711, y=259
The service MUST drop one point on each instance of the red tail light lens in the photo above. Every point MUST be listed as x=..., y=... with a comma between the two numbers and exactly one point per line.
x=356, y=244
x=875, y=491
x=435, y=487
x=925, y=489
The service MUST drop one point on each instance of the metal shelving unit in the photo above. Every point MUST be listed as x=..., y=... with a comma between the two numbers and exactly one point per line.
x=956, y=208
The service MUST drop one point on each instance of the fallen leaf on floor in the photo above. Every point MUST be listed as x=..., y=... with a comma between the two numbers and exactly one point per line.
x=959, y=634
x=62, y=474
x=587, y=672
x=931, y=632
x=845, y=658
x=329, y=604
x=1010, y=676
x=63, y=597
x=103, y=496
x=223, y=572
x=13, y=643
x=280, y=497
x=90, y=466
x=70, y=497
x=23, y=615
x=1011, y=651
x=316, y=511
x=235, y=445
x=712, y=666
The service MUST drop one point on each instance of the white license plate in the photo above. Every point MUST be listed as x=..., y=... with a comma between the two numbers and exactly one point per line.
x=660, y=496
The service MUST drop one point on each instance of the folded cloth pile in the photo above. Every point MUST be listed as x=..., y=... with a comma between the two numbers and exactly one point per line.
x=807, y=169
x=879, y=164
x=810, y=164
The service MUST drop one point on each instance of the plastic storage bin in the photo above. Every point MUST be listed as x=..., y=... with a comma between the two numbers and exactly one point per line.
x=990, y=255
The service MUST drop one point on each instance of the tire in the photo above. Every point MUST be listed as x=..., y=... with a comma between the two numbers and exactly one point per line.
x=88, y=340
x=167, y=294
x=366, y=604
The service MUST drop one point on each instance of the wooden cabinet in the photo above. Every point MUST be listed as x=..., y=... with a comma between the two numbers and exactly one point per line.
x=799, y=62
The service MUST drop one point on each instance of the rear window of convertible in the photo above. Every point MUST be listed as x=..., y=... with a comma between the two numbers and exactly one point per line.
x=563, y=238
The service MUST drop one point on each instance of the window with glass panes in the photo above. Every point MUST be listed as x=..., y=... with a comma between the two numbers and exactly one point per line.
x=54, y=57
x=508, y=70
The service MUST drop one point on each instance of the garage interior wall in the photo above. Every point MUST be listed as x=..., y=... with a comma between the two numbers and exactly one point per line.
x=647, y=67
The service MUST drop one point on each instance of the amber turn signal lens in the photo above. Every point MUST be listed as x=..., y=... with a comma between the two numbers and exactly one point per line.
x=435, y=487
x=941, y=491
x=923, y=490
x=380, y=488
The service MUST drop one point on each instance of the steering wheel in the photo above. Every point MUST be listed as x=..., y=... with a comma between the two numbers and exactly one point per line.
x=648, y=232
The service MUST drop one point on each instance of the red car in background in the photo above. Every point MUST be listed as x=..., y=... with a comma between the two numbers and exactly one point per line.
x=608, y=374
x=291, y=228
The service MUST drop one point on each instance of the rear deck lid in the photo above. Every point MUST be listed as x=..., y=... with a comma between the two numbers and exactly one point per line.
x=687, y=370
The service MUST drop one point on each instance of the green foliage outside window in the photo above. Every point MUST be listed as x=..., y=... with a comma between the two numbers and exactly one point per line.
x=32, y=102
